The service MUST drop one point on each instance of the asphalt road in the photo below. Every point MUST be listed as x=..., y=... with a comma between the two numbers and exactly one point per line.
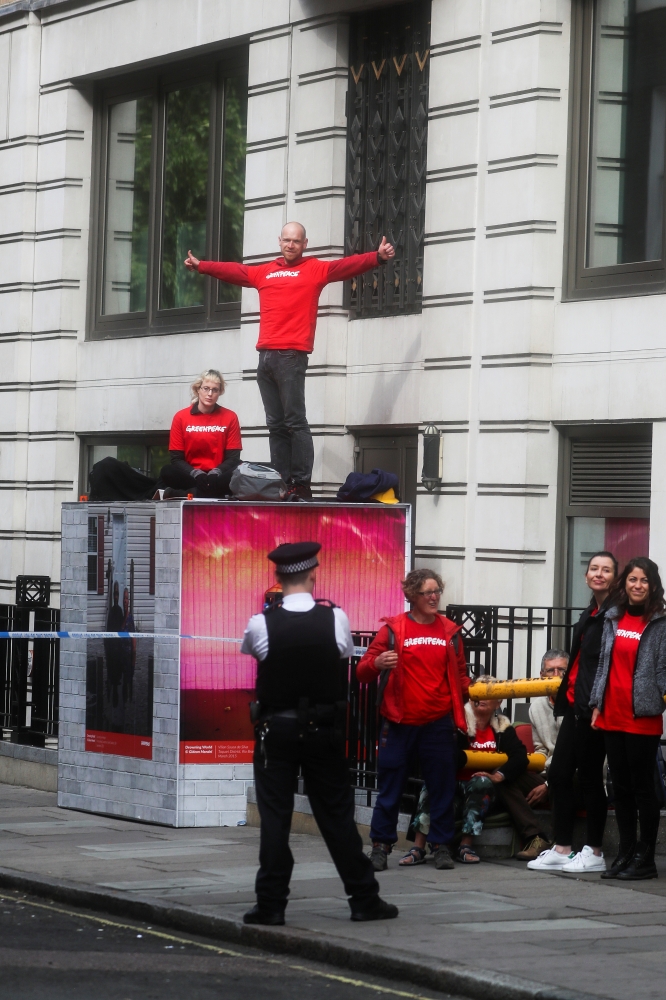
x=49, y=951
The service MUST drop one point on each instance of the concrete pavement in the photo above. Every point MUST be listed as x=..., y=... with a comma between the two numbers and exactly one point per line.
x=494, y=930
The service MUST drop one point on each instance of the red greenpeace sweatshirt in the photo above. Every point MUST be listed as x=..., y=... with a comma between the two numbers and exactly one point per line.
x=289, y=294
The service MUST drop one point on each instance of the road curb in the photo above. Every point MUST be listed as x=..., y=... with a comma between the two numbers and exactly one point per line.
x=371, y=959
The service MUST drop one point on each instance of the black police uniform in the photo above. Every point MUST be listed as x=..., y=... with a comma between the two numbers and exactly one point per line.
x=300, y=687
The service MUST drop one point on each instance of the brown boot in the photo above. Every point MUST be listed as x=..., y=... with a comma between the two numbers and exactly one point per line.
x=533, y=848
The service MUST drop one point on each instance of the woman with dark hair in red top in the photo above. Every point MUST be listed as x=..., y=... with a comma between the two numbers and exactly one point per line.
x=204, y=443
x=628, y=702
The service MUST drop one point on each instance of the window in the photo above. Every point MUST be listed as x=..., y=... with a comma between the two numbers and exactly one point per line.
x=387, y=131
x=171, y=154
x=619, y=140
x=146, y=453
x=607, y=496
x=96, y=554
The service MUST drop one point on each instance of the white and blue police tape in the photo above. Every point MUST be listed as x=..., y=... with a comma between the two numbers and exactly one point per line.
x=358, y=650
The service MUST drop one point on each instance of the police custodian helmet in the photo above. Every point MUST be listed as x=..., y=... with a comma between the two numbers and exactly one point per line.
x=295, y=557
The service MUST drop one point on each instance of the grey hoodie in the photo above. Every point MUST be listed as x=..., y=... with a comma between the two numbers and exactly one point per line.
x=650, y=673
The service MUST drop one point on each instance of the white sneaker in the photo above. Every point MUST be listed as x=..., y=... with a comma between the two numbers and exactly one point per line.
x=550, y=861
x=586, y=861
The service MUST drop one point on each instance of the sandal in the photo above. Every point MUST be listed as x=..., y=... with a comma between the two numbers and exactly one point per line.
x=416, y=856
x=467, y=855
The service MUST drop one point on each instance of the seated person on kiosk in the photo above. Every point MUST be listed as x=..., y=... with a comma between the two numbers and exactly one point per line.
x=204, y=444
x=508, y=786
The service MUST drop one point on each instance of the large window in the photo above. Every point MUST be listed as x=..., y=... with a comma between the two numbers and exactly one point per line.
x=607, y=499
x=619, y=125
x=387, y=131
x=171, y=179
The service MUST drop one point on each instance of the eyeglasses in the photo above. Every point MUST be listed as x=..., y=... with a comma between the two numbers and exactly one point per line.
x=208, y=391
x=430, y=593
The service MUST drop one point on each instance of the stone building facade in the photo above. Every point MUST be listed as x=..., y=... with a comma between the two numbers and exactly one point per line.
x=536, y=351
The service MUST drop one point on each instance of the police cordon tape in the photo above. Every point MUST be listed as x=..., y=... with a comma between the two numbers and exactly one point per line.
x=519, y=688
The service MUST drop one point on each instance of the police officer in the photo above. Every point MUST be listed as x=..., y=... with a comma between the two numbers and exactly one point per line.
x=301, y=647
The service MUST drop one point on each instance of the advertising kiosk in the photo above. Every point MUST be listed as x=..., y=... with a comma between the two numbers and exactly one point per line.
x=155, y=726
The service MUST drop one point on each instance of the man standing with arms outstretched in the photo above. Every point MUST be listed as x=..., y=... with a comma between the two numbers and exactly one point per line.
x=289, y=289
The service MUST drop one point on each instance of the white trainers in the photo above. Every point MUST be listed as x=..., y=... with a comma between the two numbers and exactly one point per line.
x=550, y=861
x=585, y=861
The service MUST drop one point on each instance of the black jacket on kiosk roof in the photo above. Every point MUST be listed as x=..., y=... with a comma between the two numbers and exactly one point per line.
x=579, y=748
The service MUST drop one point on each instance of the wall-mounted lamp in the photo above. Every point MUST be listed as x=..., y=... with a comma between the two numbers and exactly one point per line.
x=431, y=474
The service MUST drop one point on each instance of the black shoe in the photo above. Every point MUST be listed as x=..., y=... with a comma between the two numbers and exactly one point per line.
x=442, y=857
x=379, y=855
x=622, y=862
x=377, y=910
x=260, y=915
x=641, y=866
x=298, y=492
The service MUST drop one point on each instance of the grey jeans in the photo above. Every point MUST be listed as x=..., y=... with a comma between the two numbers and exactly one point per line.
x=281, y=380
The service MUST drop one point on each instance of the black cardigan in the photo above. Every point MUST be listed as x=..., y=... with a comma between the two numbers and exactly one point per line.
x=586, y=640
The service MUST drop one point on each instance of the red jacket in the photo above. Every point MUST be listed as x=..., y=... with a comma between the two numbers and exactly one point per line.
x=289, y=294
x=456, y=668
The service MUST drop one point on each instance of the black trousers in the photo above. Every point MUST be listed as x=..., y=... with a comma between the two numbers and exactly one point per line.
x=281, y=381
x=218, y=486
x=583, y=749
x=631, y=759
x=321, y=756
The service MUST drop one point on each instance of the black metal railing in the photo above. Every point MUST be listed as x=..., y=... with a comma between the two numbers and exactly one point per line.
x=29, y=669
x=504, y=641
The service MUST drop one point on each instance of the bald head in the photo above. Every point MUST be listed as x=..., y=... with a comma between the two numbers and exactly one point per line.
x=293, y=242
x=293, y=230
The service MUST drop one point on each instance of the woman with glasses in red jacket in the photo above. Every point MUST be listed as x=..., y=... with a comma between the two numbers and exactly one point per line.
x=420, y=659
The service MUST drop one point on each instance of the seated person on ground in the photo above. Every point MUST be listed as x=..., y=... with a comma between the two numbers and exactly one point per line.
x=487, y=732
x=204, y=444
x=545, y=726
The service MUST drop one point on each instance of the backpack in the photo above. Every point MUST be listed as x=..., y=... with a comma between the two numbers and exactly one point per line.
x=251, y=481
x=360, y=486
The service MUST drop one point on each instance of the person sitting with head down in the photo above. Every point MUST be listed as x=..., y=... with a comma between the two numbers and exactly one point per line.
x=204, y=444
x=545, y=726
x=487, y=732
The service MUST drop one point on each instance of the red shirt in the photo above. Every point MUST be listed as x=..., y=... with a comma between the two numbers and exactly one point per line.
x=425, y=686
x=483, y=741
x=289, y=294
x=618, y=711
x=571, y=689
x=205, y=437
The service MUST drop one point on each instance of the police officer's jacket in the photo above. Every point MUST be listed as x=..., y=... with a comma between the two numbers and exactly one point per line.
x=301, y=654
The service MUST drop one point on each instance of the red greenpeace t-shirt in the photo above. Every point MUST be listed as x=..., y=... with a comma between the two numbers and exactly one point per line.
x=483, y=741
x=618, y=711
x=425, y=686
x=571, y=689
x=205, y=437
x=289, y=293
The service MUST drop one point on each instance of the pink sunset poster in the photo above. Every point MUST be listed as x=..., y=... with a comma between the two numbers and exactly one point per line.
x=225, y=575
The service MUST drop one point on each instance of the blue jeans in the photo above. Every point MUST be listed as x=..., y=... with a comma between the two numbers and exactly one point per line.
x=281, y=381
x=436, y=747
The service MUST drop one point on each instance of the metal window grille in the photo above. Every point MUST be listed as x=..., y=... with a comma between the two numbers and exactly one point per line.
x=610, y=473
x=387, y=131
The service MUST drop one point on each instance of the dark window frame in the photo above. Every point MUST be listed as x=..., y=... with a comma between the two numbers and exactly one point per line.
x=580, y=281
x=146, y=439
x=154, y=321
x=385, y=187
x=569, y=432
